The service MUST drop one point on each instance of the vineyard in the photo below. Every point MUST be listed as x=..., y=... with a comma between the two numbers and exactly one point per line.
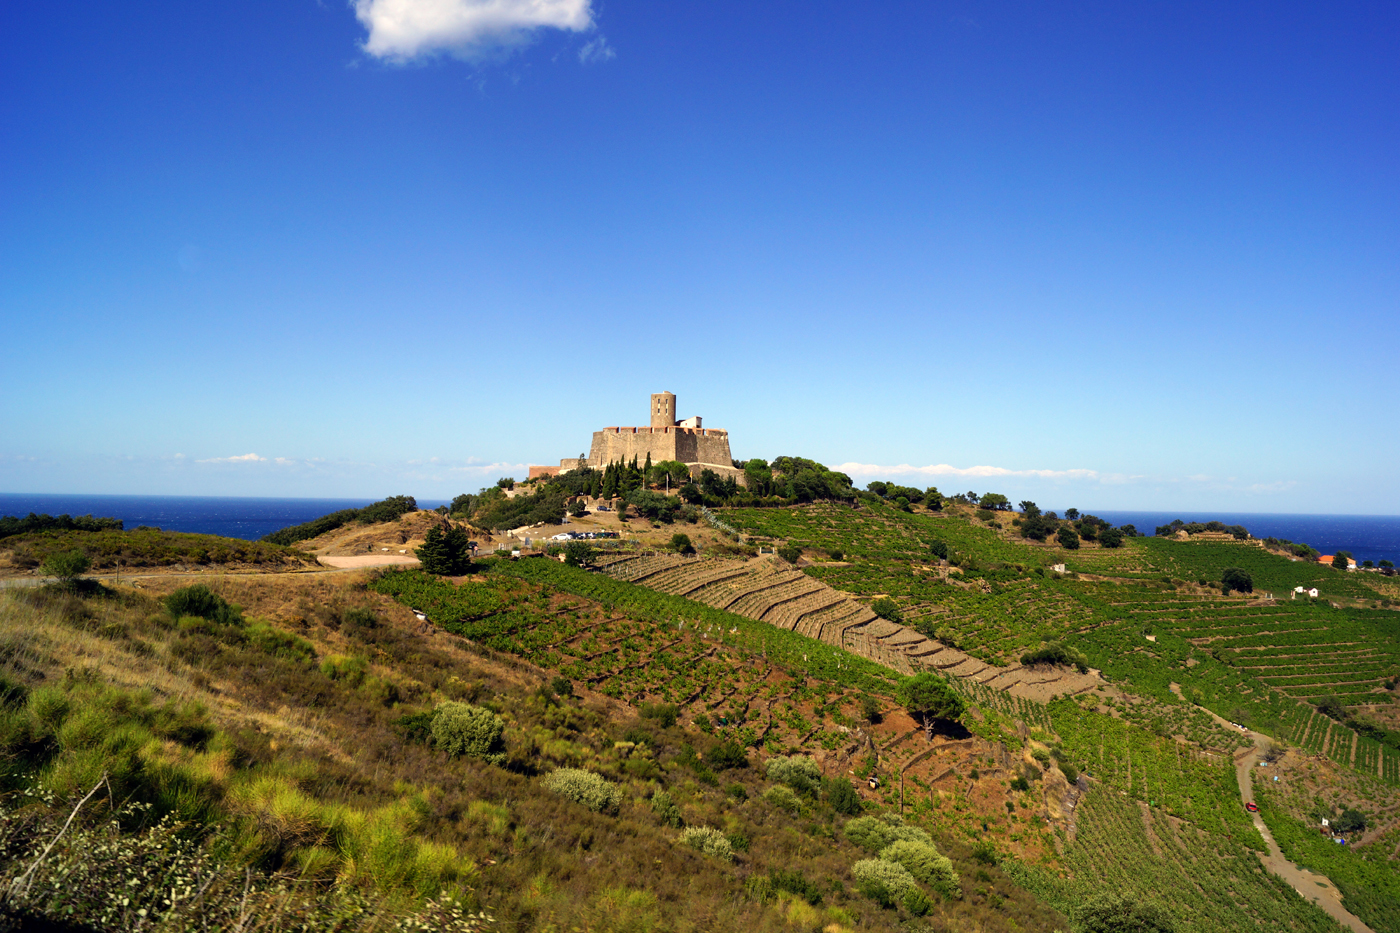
x=1159, y=772
x=1213, y=882
x=1141, y=618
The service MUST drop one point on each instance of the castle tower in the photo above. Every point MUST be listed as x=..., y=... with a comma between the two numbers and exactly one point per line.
x=663, y=409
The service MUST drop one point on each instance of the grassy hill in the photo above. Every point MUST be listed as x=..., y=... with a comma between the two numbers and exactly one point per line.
x=281, y=739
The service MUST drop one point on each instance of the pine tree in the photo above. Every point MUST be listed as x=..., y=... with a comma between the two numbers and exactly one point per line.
x=646, y=471
x=434, y=555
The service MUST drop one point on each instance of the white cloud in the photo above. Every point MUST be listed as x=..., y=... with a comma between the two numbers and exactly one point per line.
x=943, y=469
x=596, y=50
x=403, y=29
x=243, y=458
x=485, y=468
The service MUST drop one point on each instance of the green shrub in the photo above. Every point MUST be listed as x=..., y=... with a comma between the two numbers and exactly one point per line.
x=842, y=796
x=726, y=755
x=1117, y=913
x=665, y=808
x=67, y=566
x=794, y=882
x=280, y=644
x=917, y=903
x=665, y=714
x=352, y=671
x=710, y=841
x=926, y=864
x=594, y=792
x=886, y=883
x=469, y=731
x=874, y=833
x=1055, y=652
x=199, y=600
x=798, y=772
x=783, y=798
x=1070, y=772
x=790, y=554
x=416, y=727
x=886, y=608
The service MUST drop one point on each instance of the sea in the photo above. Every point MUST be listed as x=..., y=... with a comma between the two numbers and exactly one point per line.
x=229, y=516
x=1367, y=537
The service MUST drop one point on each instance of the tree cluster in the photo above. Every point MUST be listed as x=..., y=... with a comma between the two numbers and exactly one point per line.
x=385, y=510
x=13, y=525
x=906, y=496
x=1192, y=528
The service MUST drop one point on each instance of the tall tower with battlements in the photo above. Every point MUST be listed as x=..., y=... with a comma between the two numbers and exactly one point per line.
x=663, y=409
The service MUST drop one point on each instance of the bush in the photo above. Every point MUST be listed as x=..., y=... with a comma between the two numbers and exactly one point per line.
x=794, y=882
x=578, y=553
x=1351, y=821
x=680, y=543
x=836, y=554
x=1233, y=578
x=783, y=798
x=1068, y=538
x=67, y=566
x=727, y=754
x=917, y=903
x=665, y=808
x=585, y=787
x=665, y=714
x=886, y=608
x=1056, y=653
x=790, y=554
x=886, y=883
x=939, y=549
x=842, y=796
x=798, y=772
x=469, y=731
x=925, y=863
x=1115, y=913
x=710, y=841
x=1070, y=772
x=199, y=600
x=280, y=644
x=874, y=833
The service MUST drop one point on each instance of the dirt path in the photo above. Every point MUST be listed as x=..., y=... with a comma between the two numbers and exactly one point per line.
x=1314, y=887
x=1317, y=888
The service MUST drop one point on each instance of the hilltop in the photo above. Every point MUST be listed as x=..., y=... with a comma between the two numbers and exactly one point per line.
x=740, y=708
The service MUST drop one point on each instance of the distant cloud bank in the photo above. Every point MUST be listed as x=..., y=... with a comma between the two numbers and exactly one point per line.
x=943, y=469
x=241, y=458
x=400, y=30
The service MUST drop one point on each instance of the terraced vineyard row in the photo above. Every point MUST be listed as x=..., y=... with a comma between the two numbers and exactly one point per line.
x=796, y=602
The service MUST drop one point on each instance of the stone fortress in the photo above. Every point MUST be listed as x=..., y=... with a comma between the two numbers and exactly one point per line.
x=666, y=438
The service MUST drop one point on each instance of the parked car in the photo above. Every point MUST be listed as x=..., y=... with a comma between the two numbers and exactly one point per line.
x=1252, y=807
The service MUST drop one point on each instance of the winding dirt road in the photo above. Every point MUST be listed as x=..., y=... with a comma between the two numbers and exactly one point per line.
x=1314, y=887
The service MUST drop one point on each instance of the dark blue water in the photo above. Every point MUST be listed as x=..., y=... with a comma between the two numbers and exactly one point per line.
x=231, y=517
x=1367, y=537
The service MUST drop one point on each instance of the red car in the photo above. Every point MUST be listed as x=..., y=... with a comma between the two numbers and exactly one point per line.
x=1252, y=807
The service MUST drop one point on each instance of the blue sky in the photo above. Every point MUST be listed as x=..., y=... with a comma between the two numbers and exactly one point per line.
x=1114, y=255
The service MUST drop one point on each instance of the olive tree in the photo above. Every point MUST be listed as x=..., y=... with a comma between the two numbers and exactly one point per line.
x=928, y=698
